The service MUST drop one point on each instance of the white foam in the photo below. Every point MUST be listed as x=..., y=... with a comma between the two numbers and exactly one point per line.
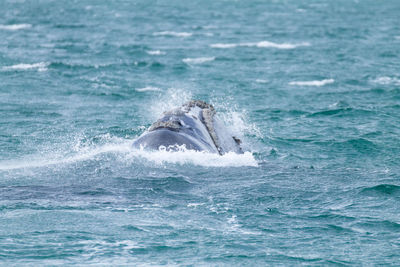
x=261, y=81
x=387, y=80
x=199, y=158
x=15, y=27
x=41, y=66
x=148, y=89
x=262, y=44
x=198, y=60
x=172, y=33
x=313, y=83
x=155, y=52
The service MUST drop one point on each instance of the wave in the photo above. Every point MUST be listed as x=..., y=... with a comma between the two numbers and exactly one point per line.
x=172, y=33
x=262, y=44
x=15, y=27
x=261, y=81
x=382, y=189
x=148, y=89
x=155, y=52
x=386, y=80
x=313, y=83
x=41, y=66
x=198, y=60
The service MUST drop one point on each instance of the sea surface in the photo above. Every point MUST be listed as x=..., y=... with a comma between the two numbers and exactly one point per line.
x=311, y=87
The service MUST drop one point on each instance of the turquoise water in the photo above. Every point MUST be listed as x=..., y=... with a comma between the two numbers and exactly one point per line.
x=311, y=87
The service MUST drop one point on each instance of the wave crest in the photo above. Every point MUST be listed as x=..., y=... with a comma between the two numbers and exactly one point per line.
x=41, y=66
x=262, y=44
x=198, y=60
x=313, y=83
x=172, y=33
x=15, y=27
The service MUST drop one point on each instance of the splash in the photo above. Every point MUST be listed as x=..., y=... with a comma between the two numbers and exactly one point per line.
x=172, y=98
x=124, y=152
x=80, y=152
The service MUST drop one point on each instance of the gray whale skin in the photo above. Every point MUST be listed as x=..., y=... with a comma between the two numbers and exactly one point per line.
x=193, y=125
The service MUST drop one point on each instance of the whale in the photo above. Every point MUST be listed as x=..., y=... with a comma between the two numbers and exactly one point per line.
x=193, y=126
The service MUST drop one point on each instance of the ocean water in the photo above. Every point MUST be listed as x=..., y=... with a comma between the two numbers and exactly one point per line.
x=311, y=87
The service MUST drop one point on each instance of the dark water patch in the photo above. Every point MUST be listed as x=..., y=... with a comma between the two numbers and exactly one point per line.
x=74, y=48
x=75, y=66
x=355, y=82
x=359, y=145
x=343, y=112
x=94, y=192
x=328, y=217
x=36, y=206
x=35, y=113
x=132, y=228
x=155, y=249
x=292, y=112
x=382, y=189
x=339, y=229
x=148, y=189
x=388, y=54
x=295, y=140
x=172, y=183
x=378, y=226
x=157, y=65
x=70, y=26
x=330, y=112
x=28, y=192
x=374, y=134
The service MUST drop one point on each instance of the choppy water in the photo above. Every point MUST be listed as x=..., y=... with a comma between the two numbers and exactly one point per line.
x=312, y=88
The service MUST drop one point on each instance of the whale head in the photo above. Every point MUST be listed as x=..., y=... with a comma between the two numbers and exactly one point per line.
x=193, y=125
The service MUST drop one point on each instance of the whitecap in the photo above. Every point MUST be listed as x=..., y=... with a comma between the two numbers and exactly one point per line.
x=148, y=89
x=41, y=66
x=313, y=83
x=171, y=33
x=15, y=27
x=262, y=44
x=155, y=52
x=224, y=45
x=261, y=81
x=279, y=46
x=198, y=60
x=387, y=80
